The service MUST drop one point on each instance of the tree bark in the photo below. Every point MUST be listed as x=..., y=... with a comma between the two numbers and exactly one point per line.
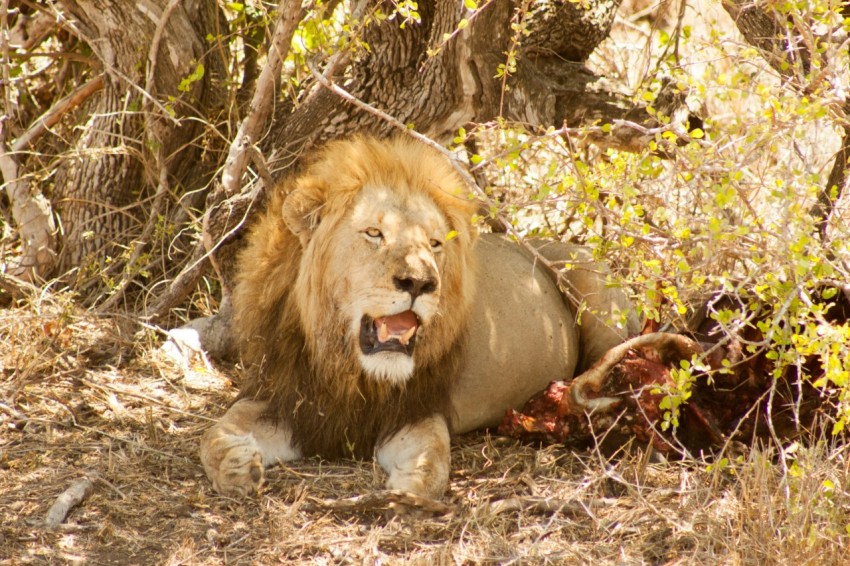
x=103, y=184
x=438, y=94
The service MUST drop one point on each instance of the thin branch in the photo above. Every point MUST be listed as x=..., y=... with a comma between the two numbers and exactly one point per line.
x=4, y=47
x=543, y=506
x=183, y=284
x=52, y=116
x=382, y=501
x=69, y=499
x=291, y=14
x=153, y=54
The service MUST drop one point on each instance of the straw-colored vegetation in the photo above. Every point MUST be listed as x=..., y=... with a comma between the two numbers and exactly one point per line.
x=86, y=400
x=729, y=207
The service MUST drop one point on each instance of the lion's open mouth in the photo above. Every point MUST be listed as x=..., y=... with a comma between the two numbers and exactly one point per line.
x=394, y=333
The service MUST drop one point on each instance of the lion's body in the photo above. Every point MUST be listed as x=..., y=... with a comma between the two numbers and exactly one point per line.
x=364, y=329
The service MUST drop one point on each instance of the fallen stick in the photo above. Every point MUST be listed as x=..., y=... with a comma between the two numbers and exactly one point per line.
x=540, y=506
x=69, y=499
x=383, y=500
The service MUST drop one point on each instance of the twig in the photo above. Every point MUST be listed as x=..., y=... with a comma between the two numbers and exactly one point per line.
x=4, y=51
x=17, y=286
x=383, y=500
x=69, y=499
x=52, y=116
x=183, y=284
x=540, y=506
x=153, y=54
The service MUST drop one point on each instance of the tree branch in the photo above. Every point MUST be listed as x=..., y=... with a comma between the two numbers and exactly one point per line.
x=823, y=208
x=52, y=116
x=291, y=14
x=33, y=215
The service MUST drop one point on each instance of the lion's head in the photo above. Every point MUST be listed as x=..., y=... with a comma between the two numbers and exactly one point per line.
x=358, y=280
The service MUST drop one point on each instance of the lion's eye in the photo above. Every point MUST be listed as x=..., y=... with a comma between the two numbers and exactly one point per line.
x=373, y=233
x=436, y=245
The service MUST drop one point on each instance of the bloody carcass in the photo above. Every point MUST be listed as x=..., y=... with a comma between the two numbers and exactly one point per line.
x=734, y=392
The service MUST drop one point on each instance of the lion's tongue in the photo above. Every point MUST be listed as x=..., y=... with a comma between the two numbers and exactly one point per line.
x=401, y=326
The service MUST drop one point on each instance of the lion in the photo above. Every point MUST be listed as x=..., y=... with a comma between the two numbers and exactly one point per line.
x=373, y=320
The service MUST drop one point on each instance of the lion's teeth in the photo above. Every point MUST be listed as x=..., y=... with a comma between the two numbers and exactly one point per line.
x=405, y=338
x=383, y=333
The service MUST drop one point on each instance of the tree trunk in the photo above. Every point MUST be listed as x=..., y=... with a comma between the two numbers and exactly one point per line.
x=137, y=135
x=438, y=94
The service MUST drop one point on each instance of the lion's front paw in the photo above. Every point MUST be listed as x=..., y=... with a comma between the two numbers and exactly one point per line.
x=417, y=458
x=234, y=463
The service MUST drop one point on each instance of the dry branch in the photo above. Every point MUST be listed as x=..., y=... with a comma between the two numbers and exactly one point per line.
x=217, y=208
x=541, y=506
x=32, y=213
x=52, y=116
x=183, y=284
x=291, y=14
x=382, y=501
x=69, y=499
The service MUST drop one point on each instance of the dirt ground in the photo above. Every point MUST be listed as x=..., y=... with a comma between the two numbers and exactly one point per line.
x=82, y=397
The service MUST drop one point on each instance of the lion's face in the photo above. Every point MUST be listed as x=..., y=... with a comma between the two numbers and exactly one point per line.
x=390, y=249
x=385, y=278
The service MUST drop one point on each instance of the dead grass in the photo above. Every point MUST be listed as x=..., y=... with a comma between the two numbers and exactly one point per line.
x=80, y=400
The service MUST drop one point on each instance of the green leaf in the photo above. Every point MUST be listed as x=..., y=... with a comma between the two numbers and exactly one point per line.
x=194, y=77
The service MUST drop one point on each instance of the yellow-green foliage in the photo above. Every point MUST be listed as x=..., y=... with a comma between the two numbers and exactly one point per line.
x=727, y=207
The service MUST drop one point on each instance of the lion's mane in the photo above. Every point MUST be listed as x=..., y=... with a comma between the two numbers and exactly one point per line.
x=293, y=342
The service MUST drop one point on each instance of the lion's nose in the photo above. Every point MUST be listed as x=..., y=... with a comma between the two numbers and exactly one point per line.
x=416, y=286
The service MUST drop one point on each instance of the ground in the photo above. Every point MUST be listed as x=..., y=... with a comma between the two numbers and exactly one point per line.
x=84, y=397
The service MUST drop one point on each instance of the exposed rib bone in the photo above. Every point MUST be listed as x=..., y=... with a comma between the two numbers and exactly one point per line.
x=594, y=378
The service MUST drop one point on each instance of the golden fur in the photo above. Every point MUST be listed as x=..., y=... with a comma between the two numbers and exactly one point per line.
x=291, y=289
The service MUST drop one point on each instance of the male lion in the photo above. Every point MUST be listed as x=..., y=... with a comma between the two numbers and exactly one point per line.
x=372, y=319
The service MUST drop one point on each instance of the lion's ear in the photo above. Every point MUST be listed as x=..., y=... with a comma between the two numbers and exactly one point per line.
x=302, y=212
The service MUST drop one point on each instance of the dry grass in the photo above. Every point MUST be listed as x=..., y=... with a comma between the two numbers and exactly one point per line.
x=81, y=398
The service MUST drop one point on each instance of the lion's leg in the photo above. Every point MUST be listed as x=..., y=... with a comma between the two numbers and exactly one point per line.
x=417, y=457
x=237, y=449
